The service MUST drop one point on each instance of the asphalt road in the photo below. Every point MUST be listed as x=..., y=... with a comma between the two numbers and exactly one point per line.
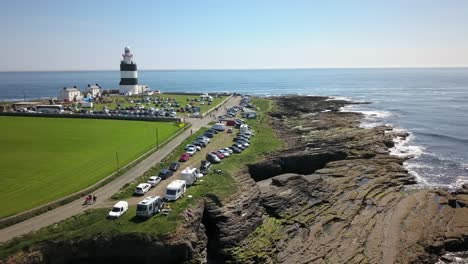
x=105, y=192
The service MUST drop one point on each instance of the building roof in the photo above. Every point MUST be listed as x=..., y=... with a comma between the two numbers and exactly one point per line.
x=71, y=89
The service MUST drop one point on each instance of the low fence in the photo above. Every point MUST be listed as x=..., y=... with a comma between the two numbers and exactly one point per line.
x=131, y=118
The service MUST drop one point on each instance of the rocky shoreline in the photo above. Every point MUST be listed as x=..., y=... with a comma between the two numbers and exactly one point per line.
x=334, y=194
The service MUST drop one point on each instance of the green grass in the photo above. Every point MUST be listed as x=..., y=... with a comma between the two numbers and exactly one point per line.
x=222, y=186
x=43, y=159
x=181, y=99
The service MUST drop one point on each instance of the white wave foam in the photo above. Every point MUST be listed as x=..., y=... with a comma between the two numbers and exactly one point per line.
x=342, y=98
x=403, y=149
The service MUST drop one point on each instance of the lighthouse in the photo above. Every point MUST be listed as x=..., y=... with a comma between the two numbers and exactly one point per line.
x=129, y=75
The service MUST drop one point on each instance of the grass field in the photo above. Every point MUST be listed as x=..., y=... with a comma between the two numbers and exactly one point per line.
x=94, y=222
x=43, y=159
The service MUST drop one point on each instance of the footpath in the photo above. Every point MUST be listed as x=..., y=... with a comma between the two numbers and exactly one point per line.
x=104, y=193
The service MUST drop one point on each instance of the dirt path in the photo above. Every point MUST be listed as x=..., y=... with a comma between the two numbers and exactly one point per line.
x=105, y=192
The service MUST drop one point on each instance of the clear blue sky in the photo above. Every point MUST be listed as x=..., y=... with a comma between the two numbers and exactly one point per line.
x=214, y=34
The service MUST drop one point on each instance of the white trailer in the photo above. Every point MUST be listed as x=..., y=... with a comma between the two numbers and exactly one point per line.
x=175, y=190
x=150, y=206
x=189, y=175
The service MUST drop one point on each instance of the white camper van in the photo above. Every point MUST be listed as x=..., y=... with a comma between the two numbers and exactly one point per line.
x=150, y=206
x=190, y=175
x=175, y=190
x=244, y=128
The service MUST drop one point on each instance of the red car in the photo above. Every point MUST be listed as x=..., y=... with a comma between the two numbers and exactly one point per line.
x=184, y=157
x=230, y=123
x=219, y=154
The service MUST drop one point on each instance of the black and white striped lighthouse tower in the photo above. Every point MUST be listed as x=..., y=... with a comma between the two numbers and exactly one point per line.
x=128, y=74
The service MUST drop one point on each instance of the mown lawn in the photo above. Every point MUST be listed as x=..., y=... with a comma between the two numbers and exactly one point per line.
x=43, y=159
x=222, y=186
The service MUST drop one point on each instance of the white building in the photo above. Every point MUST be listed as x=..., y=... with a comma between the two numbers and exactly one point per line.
x=94, y=90
x=70, y=94
x=129, y=75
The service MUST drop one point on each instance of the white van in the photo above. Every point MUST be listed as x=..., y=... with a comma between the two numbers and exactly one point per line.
x=119, y=209
x=190, y=175
x=244, y=128
x=175, y=190
x=218, y=127
x=150, y=206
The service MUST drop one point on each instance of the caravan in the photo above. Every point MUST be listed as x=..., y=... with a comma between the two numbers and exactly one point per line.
x=190, y=175
x=175, y=190
x=150, y=206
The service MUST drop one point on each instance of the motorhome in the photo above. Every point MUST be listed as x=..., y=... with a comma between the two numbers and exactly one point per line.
x=49, y=109
x=175, y=190
x=150, y=206
x=189, y=175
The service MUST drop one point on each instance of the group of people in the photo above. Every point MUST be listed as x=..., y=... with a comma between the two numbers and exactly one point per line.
x=90, y=199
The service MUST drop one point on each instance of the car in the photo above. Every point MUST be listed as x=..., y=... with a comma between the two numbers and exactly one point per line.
x=239, y=145
x=174, y=166
x=199, y=143
x=241, y=139
x=205, y=139
x=118, y=210
x=142, y=188
x=209, y=134
x=224, y=152
x=214, y=131
x=235, y=149
x=192, y=146
x=191, y=151
x=219, y=154
x=205, y=167
x=212, y=158
x=229, y=131
x=243, y=143
x=184, y=157
x=154, y=180
x=228, y=150
x=165, y=173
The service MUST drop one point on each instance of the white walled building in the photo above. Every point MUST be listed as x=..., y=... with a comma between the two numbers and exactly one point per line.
x=94, y=90
x=70, y=94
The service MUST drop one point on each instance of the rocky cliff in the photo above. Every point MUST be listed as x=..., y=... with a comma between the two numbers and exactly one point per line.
x=333, y=195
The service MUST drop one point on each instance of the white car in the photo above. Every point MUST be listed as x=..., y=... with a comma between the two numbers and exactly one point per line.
x=228, y=150
x=191, y=151
x=225, y=153
x=142, y=188
x=154, y=180
x=119, y=209
x=198, y=148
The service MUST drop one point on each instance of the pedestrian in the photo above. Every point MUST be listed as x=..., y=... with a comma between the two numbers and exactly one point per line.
x=191, y=131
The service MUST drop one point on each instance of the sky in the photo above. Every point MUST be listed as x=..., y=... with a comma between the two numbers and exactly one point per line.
x=50, y=35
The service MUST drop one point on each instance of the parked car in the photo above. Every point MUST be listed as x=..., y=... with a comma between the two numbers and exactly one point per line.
x=191, y=151
x=224, y=152
x=174, y=166
x=142, y=188
x=197, y=148
x=212, y=131
x=212, y=158
x=219, y=154
x=154, y=180
x=228, y=150
x=204, y=139
x=235, y=149
x=118, y=210
x=239, y=145
x=205, y=167
x=209, y=134
x=229, y=131
x=243, y=143
x=199, y=143
x=184, y=157
x=165, y=173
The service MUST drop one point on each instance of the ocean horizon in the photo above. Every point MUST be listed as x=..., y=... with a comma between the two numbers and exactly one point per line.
x=430, y=103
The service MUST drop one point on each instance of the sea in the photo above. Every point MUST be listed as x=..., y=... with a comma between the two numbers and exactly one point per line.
x=429, y=103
